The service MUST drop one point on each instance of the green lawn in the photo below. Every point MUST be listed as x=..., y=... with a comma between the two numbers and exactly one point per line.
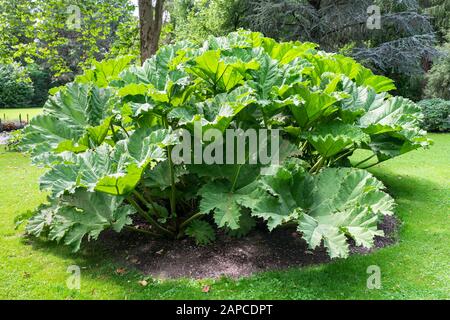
x=416, y=268
x=12, y=114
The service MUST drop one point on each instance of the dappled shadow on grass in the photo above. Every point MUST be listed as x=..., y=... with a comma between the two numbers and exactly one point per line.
x=408, y=187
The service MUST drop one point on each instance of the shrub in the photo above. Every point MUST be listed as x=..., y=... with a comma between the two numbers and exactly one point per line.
x=16, y=88
x=438, y=78
x=436, y=115
x=14, y=140
x=110, y=139
x=42, y=81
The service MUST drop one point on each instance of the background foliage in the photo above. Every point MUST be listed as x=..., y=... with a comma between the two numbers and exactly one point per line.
x=436, y=115
x=402, y=49
x=36, y=34
x=16, y=87
x=438, y=78
x=43, y=32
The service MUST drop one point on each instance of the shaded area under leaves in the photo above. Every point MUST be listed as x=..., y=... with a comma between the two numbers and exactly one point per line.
x=259, y=251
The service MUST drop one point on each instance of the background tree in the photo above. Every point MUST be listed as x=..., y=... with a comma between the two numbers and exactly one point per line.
x=42, y=81
x=47, y=33
x=151, y=15
x=16, y=87
x=438, y=78
x=439, y=10
x=402, y=48
x=196, y=20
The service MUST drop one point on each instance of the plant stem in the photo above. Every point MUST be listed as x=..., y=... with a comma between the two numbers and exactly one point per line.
x=365, y=160
x=238, y=171
x=146, y=232
x=372, y=165
x=146, y=216
x=236, y=176
x=303, y=147
x=172, y=182
x=318, y=165
x=113, y=131
x=264, y=118
x=172, y=175
x=144, y=201
x=125, y=130
x=343, y=155
x=193, y=217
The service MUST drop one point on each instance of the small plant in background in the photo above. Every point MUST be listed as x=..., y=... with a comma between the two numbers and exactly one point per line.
x=438, y=78
x=436, y=115
x=108, y=141
x=16, y=87
x=14, y=140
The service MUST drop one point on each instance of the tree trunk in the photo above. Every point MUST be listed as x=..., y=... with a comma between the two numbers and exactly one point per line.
x=150, y=21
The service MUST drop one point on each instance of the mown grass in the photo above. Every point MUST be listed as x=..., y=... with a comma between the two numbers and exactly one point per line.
x=415, y=268
x=12, y=114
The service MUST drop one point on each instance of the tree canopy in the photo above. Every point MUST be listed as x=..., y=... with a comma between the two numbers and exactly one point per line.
x=62, y=35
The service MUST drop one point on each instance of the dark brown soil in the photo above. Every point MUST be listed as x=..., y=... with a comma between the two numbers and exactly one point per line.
x=260, y=251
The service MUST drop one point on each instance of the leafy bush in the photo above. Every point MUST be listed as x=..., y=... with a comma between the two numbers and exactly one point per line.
x=109, y=140
x=438, y=78
x=14, y=140
x=436, y=115
x=16, y=88
x=42, y=81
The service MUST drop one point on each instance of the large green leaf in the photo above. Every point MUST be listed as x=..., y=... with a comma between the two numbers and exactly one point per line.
x=360, y=99
x=309, y=106
x=396, y=114
x=159, y=80
x=379, y=83
x=337, y=202
x=77, y=115
x=286, y=52
x=82, y=214
x=220, y=74
x=113, y=171
x=220, y=198
x=332, y=138
x=339, y=189
x=276, y=200
x=215, y=113
x=158, y=176
x=103, y=73
x=268, y=75
x=239, y=39
x=387, y=146
x=394, y=127
x=201, y=231
x=157, y=70
x=275, y=82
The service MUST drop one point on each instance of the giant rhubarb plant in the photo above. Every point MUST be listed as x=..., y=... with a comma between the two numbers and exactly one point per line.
x=107, y=142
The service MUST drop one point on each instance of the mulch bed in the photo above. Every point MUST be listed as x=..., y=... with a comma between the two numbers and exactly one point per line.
x=259, y=251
